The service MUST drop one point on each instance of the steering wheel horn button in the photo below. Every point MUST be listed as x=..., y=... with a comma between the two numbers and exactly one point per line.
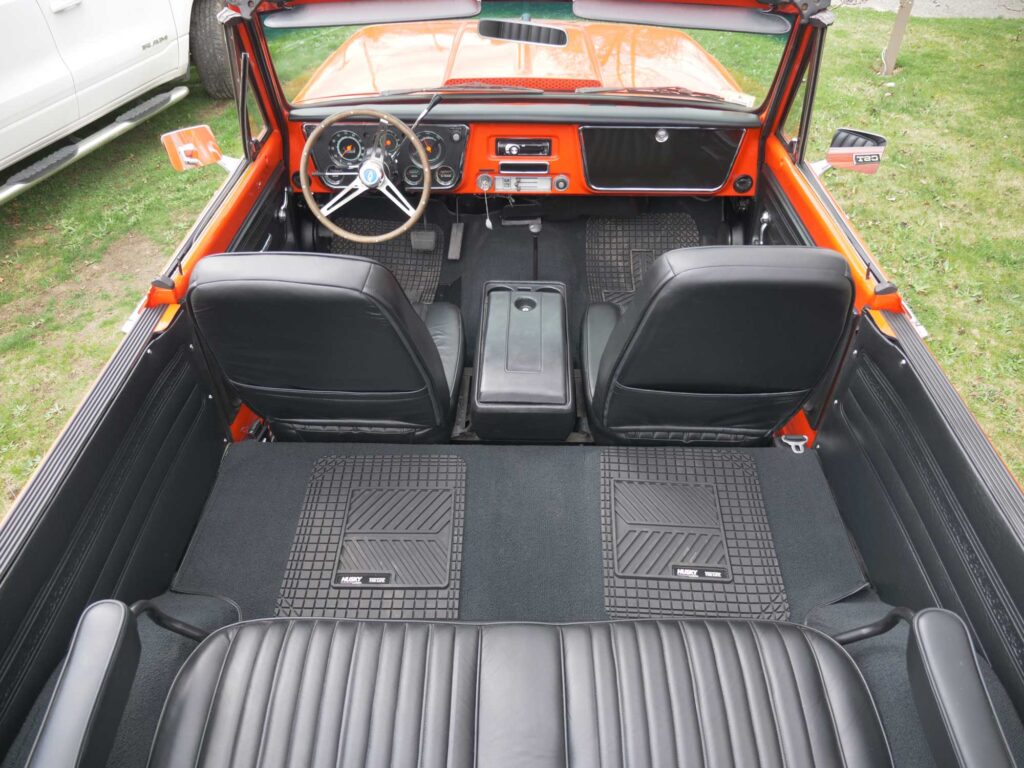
x=371, y=173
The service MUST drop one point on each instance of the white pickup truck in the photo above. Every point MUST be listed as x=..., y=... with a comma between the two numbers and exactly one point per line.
x=67, y=64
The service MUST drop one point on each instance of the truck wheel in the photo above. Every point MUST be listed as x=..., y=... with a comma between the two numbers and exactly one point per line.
x=210, y=49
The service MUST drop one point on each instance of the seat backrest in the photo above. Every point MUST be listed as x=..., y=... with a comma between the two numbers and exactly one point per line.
x=723, y=344
x=323, y=347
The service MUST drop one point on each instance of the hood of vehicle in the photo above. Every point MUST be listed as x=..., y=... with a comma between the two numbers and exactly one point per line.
x=434, y=53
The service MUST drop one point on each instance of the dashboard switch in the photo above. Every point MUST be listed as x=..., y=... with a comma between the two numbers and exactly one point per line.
x=561, y=182
x=484, y=182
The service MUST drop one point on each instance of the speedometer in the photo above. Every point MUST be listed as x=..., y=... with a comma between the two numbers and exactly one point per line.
x=433, y=145
x=346, y=148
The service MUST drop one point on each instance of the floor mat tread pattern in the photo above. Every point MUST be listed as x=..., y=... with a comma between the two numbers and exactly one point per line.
x=379, y=537
x=696, y=510
x=418, y=272
x=620, y=250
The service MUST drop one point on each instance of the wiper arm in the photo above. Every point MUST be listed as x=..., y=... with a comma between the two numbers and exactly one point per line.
x=654, y=90
x=464, y=87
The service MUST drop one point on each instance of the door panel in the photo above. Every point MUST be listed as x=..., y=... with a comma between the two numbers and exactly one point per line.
x=37, y=93
x=114, y=48
x=937, y=517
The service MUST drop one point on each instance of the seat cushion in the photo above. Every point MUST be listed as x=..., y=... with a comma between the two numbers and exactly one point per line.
x=722, y=345
x=325, y=347
x=309, y=692
x=444, y=322
x=598, y=324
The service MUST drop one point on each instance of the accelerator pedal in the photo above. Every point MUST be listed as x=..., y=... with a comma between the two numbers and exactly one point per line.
x=455, y=241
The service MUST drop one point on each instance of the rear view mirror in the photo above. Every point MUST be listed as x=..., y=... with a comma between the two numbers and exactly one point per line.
x=854, y=151
x=522, y=32
x=195, y=147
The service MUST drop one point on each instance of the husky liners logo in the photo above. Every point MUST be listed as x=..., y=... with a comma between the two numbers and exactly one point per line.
x=362, y=579
x=700, y=573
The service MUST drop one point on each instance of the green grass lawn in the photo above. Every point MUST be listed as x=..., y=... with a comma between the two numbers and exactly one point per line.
x=943, y=216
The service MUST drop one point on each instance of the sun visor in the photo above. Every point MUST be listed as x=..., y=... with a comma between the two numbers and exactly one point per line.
x=713, y=17
x=369, y=12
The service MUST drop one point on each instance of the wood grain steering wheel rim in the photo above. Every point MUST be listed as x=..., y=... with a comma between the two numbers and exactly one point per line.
x=357, y=187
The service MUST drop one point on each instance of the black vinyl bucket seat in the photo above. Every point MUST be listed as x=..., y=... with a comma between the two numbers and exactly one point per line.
x=328, y=347
x=719, y=345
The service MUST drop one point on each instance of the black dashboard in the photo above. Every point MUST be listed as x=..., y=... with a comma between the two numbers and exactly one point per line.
x=342, y=147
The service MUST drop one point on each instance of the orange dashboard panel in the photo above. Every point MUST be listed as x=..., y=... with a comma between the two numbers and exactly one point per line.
x=565, y=159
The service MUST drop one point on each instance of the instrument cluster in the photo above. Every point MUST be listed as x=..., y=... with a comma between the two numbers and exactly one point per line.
x=343, y=146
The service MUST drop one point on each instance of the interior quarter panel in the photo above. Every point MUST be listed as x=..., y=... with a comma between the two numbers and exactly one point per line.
x=109, y=517
x=937, y=516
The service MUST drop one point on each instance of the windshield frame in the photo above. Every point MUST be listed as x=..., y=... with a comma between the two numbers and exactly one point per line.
x=492, y=93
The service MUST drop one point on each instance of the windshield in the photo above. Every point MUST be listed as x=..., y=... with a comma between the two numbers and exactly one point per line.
x=322, y=64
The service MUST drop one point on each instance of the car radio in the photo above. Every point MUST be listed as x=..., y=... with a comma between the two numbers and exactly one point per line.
x=523, y=147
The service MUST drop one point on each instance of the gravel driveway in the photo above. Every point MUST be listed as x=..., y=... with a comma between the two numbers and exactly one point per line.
x=977, y=9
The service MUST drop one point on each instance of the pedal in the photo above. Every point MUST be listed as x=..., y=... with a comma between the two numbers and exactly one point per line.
x=455, y=241
x=423, y=239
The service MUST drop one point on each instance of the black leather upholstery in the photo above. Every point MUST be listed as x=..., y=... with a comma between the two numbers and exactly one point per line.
x=84, y=713
x=719, y=344
x=952, y=701
x=328, y=347
x=312, y=693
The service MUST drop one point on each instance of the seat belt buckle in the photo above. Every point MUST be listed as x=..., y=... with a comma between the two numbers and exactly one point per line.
x=797, y=443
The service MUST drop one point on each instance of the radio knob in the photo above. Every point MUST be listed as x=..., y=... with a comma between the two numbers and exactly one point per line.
x=561, y=182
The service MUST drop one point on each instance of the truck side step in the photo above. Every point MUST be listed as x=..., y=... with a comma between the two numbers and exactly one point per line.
x=56, y=161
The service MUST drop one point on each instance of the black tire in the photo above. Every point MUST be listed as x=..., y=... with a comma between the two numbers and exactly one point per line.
x=210, y=49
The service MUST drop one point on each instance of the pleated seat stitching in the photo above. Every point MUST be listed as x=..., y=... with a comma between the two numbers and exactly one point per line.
x=644, y=692
x=828, y=700
x=565, y=702
x=426, y=688
x=214, y=698
x=270, y=695
x=672, y=709
x=398, y=693
x=476, y=701
x=768, y=688
x=373, y=692
x=796, y=688
x=298, y=691
x=746, y=691
x=345, y=699
x=618, y=692
x=693, y=687
x=721, y=687
x=320, y=701
x=597, y=701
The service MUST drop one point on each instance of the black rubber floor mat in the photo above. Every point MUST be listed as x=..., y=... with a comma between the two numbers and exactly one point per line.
x=684, y=532
x=418, y=272
x=619, y=251
x=379, y=537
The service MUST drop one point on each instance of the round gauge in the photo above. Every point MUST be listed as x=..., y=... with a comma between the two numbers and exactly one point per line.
x=391, y=141
x=334, y=177
x=445, y=176
x=346, y=148
x=432, y=145
x=413, y=176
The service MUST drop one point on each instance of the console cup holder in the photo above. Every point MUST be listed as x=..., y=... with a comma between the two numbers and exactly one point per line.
x=525, y=304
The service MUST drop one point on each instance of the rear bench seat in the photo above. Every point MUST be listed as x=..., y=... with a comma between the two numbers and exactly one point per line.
x=307, y=692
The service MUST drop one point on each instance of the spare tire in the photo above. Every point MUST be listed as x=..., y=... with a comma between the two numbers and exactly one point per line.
x=209, y=49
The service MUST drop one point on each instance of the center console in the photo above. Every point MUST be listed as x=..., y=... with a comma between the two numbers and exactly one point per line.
x=523, y=387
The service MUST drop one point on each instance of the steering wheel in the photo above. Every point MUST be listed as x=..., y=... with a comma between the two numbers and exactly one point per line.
x=372, y=173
